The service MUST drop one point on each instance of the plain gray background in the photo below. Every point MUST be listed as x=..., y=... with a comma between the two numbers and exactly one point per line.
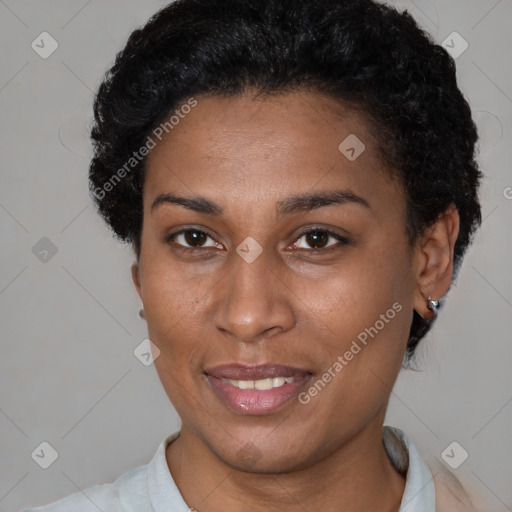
x=70, y=324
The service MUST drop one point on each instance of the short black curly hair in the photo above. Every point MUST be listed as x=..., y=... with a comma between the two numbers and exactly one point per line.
x=362, y=53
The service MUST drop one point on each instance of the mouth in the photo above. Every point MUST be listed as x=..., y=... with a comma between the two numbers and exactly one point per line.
x=256, y=390
x=261, y=384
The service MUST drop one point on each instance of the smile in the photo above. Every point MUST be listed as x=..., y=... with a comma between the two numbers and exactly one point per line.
x=261, y=384
x=256, y=389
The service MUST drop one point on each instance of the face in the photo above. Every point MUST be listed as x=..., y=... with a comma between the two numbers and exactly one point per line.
x=276, y=277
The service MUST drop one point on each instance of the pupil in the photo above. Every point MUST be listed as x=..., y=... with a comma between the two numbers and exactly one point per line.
x=317, y=239
x=195, y=237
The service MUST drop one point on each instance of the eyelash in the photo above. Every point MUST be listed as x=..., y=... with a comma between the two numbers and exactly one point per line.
x=341, y=240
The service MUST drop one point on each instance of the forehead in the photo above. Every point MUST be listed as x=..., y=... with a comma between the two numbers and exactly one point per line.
x=259, y=149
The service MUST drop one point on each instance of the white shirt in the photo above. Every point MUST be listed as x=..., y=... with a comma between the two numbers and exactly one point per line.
x=151, y=488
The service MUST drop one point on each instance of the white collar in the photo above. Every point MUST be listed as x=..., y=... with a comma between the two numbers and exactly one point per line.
x=419, y=492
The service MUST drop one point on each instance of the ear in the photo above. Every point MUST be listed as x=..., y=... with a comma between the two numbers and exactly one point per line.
x=136, y=279
x=434, y=252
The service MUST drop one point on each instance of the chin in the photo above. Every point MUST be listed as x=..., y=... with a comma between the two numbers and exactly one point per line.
x=266, y=459
x=265, y=465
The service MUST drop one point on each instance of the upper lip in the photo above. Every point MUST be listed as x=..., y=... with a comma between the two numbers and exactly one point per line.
x=254, y=372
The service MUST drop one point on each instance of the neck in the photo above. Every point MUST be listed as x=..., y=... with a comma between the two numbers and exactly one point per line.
x=356, y=476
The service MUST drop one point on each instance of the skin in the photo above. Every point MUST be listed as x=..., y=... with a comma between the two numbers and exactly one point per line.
x=295, y=304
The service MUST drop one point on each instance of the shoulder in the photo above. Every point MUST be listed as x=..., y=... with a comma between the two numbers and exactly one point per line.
x=425, y=472
x=450, y=494
x=126, y=494
x=133, y=491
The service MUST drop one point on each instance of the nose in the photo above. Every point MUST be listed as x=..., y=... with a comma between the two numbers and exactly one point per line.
x=252, y=301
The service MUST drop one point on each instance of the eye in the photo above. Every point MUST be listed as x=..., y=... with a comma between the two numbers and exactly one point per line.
x=193, y=239
x=313, y=240
x=318, y=239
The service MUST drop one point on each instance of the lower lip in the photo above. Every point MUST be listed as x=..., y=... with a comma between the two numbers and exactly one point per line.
x=253, y=401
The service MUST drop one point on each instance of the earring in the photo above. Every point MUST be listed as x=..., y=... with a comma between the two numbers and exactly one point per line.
x=141, y=313
x=433, y=305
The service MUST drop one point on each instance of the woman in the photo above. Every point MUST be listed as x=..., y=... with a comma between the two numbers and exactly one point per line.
x=298, y=182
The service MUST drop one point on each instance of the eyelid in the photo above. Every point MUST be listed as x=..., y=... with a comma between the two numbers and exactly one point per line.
x=342, y=240
x=170, y=237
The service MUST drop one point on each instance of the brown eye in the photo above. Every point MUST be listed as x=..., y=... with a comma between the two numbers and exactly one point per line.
x=317, y=239
x=193, y=238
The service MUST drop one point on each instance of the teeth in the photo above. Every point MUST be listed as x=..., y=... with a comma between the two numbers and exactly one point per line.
x=277, y=382
x=261, y=384
x=244, y=384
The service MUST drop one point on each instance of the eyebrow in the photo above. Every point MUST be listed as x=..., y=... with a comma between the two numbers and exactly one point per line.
x=295, y=204
x=307, y=202
x=197, y=204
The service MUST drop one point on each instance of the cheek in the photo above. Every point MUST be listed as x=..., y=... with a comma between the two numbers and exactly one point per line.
x=174, y=309
x=366, y=285
x=174, y=325
x=170, y=299
x=362, y=318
